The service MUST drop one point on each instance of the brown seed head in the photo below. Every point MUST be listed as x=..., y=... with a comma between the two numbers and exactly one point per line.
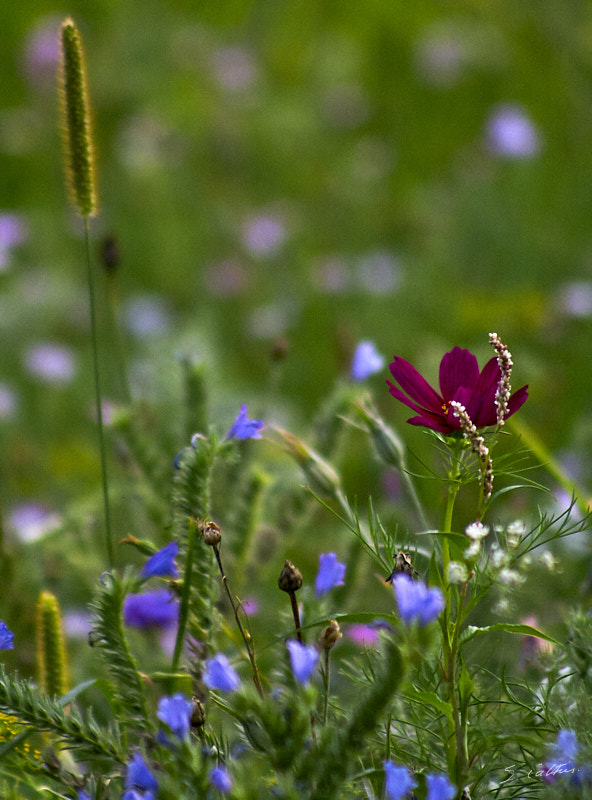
x=330, y=635
x=211, y=533
x=290, y=579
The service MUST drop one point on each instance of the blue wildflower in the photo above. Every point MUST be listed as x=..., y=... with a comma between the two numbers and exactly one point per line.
x=562, y=760
x=416, y=601
x=330, y=574
x=139, y=776
x=366, y=361
x=397, y=781
x=175, y=712
x=303, y=660
x=245, y=428
x=6, y=637
x=439, y=788
x=157, y=609
x=220, y=779
x=134, y=794
x=220, y=674
x=162, y=563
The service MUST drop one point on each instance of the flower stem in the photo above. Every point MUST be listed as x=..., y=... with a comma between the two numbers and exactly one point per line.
x=326, y=680
x=296, y=615
x=247, y=638
x=98, y=403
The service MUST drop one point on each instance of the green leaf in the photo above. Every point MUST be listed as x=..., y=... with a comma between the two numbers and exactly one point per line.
x=429, y=699
x=526, y=630
x=466, y=687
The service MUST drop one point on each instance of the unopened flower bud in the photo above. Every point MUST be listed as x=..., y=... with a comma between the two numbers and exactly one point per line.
x=109, y=253
x=402, y=564
x=211, y=533
x=279, y=349
x=198, y=713
x=320, y=475
x=330, y=635
x=388, y=445
x=290, y=579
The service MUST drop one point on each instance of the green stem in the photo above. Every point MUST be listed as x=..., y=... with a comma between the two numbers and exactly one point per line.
x=460, y=721
x=456, y=746
x=98, y=403
x=326, y=679
x=185, y=597
x=407, y=480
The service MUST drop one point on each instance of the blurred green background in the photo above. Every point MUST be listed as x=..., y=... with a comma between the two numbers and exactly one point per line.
x=295, y=177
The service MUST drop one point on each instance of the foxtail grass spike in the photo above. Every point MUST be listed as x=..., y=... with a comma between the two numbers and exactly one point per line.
x=76, y=126
x=51, y=650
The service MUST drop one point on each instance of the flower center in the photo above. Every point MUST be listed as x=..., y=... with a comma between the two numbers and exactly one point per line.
x=445, y=408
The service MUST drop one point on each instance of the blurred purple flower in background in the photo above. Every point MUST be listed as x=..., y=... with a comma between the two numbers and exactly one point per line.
x=157, y=609
x=303, y=660
x=6, y=637
x=175, y=712
x=13, y=231
x=226, y=278
x=441, y=55
x=250, y=606
x=331, y=275
x=220, y=779
x=31, y=521
x=575, y=298
x=416, y=601
x=162, y=563
x=331, y=573
x=378, y=272
x=263, y=235
x=234, y=68
x=147, y=315
x=397, y=781
x=77, y=623
x=52, y=363
x=245, y=428
x=220, y=674
x=366, y=361
x=511, y=134
x=41, y=51
x=8, y=402
x=364, y=635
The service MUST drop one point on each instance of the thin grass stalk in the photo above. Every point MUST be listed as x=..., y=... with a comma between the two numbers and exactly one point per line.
x=98, y=396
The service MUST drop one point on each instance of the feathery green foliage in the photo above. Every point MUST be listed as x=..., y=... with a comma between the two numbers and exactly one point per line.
x=108, y=636
x=33, y=707
x=191, y=500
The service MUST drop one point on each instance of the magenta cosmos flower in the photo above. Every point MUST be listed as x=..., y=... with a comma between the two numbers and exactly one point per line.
x=460, y=380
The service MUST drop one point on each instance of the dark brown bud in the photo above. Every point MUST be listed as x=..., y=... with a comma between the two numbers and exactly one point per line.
x=211, y=533
x=279, y=349
x=198, y=712
x=110, y=257
x=330, y=635
x=290, y=579
x=402, y=564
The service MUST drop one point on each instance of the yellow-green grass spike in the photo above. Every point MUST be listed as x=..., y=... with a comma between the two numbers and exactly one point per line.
x=76, y=124
x=51, y=650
